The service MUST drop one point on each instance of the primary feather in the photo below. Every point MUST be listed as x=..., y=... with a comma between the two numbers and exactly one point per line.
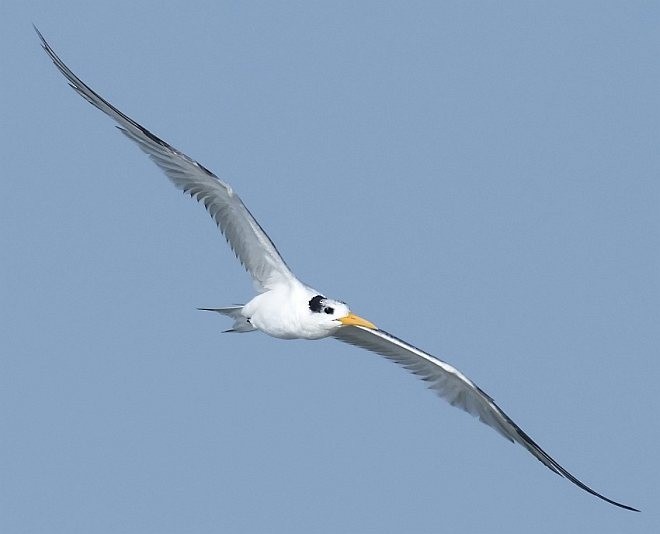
x=252, y=246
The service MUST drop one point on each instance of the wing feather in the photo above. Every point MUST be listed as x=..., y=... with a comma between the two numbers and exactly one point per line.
x=457, y=389
x=247, y=239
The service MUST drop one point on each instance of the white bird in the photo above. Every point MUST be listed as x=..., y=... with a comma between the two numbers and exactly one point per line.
x=285, y=307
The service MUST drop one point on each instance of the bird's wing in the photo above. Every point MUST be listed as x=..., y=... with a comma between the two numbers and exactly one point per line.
x=457, y=389
x=250, y=243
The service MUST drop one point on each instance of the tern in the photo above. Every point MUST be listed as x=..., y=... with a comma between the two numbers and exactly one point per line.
x=286, y=308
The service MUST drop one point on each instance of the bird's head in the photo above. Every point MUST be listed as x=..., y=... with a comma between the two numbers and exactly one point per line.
x=333, y=314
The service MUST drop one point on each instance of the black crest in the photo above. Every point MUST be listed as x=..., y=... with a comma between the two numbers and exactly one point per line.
x=316, y=303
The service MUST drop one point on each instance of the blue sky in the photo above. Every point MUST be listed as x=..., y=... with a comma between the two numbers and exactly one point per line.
x=480, y=179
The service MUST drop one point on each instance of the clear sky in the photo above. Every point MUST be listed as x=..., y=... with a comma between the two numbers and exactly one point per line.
x=480, y=179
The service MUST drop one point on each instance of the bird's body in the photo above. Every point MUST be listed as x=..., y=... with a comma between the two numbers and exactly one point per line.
x=286, y=308
x=288, y=312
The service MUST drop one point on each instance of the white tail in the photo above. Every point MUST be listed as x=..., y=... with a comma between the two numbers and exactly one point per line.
x=241, y=324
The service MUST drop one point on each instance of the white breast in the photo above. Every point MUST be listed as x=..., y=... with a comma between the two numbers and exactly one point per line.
x=283, y=312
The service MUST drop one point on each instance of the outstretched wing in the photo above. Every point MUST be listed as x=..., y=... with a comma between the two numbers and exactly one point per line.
x=457, y=389
x=252, y=246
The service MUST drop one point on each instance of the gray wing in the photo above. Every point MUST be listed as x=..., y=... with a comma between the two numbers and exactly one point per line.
x=453, y=386
x=252, y=246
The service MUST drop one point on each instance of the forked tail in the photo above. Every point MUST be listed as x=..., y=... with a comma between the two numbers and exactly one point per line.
x=241, y=324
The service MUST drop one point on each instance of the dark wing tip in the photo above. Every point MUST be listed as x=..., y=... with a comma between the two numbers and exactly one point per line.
x=44, y=43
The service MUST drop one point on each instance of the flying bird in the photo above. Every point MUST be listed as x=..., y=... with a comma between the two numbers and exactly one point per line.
x=286, y=308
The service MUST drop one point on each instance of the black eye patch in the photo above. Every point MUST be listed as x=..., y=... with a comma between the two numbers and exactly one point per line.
x=329, y=310
x=316, y=303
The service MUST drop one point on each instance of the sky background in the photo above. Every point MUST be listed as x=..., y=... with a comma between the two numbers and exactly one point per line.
x=481, y=179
